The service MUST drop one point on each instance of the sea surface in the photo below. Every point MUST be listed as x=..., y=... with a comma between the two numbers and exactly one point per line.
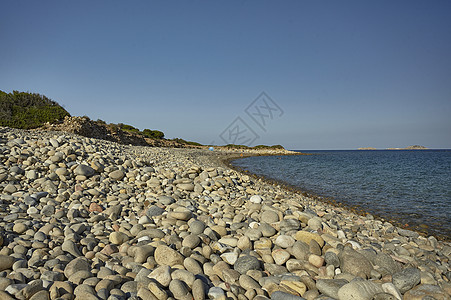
x=409, y=187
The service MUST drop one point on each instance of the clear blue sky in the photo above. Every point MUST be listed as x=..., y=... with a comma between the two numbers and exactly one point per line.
x=345, y=74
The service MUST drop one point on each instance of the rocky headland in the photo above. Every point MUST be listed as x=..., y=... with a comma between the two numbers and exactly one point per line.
x=413, y=147
x=83, y=218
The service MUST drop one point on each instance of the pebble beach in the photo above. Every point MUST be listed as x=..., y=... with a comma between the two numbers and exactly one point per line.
x=83, y=218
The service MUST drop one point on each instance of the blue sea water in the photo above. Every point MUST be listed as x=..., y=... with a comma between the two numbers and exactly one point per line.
x=406, y=186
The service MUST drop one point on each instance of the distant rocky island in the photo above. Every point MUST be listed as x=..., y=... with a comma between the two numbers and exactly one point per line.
x=413, y=147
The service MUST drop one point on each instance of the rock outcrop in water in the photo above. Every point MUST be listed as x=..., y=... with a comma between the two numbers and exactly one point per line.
x=414, y=147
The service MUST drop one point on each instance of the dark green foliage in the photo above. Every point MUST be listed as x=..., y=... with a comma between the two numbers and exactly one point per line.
x=129, y=128
x=237, y=146
x=182, y=141
x=153, y=134
x=233, y=146
x=269, y=147
x=28, y=110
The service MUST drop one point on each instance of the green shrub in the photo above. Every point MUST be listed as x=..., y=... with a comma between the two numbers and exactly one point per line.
x=182, y=141
x=129, y=128
x=237, y=146
x=153, y=134
x=28, y=110
x=269, y=147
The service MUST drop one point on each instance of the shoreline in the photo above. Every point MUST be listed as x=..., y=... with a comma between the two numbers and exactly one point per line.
x=356, y=209
x=96, y=219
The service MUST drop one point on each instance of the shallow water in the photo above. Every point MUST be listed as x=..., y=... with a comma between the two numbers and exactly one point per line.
x=411, y=187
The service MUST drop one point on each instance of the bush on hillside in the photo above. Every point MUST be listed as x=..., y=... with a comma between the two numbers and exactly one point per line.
x=153, y=134
x=28, y=110
x=182, y=141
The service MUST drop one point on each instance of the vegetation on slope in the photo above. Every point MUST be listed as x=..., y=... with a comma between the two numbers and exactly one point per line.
x=28, y=110
x=152, y=134
x=233, y=146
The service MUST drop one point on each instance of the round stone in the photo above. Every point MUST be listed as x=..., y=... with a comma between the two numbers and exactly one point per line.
x=184, y=215
x=316, y=260
x=246, y=263
x=197, y=227
x=280, y=256
x=244, y=243
x=359, y=290
x=198, y=289
x=289, y=225
x=168, y=256
x=284, y=241
x=10, y=189
x=6, y=262
x=179, y=289
x=191, y=241
x=162, y=275
x=84, y=170
x=406, y=279
x=78, y=264
x=117, y=175
x=306, y=237
x=256, y=199
x=154, y=211
x=269, y=216
x=267, y=230
x=118, y=238
x=20, y=228
x=186, y=186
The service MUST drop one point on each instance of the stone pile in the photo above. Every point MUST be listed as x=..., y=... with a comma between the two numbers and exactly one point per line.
x=88, y=219
x=100, y=130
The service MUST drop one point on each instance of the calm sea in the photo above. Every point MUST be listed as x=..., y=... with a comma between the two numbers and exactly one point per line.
x=410, y=187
